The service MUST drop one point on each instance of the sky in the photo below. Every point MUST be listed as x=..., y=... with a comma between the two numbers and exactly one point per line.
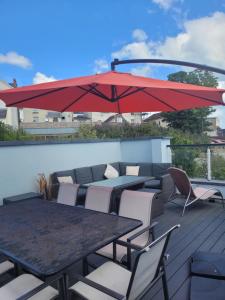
x=55, y=39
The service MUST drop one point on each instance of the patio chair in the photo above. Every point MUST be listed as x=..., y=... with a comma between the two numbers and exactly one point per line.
x=136, y=205
x=191, y=194
x=98, y=198
x=113, y=281
x=27, y=286
x=67, y=193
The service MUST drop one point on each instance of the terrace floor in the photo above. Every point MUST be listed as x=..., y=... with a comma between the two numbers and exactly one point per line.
x=202, y=228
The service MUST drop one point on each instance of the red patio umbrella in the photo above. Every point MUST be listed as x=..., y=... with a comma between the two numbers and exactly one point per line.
x=112, y=92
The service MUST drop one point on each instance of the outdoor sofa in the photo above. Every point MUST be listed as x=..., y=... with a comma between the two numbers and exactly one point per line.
x=96, y=173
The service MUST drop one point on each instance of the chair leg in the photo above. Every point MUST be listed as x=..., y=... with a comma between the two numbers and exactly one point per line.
x=183, y=211
x=165, y=287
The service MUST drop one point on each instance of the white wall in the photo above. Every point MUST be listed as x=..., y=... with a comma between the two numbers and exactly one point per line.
x=19, y=165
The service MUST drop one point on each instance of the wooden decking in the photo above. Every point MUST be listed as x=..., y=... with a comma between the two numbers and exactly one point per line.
x=202, y=228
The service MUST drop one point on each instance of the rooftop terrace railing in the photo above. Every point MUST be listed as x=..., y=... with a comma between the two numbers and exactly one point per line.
x=200, y=160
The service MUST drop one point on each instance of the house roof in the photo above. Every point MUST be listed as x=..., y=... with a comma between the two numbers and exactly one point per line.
x=153, y=117
x=111, y=118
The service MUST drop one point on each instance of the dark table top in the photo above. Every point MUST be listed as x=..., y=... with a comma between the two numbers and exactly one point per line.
x=46, y=237
x=120, y=182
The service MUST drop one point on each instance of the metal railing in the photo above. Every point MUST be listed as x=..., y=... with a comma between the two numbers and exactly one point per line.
x=200, y=160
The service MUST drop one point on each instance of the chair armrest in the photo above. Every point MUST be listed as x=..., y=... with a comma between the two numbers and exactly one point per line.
x=148, y=228
x=101, y=288
x=128, y=245
x=36, y=290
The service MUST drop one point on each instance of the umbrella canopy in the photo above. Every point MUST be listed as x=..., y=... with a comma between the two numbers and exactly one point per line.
x=112, y=92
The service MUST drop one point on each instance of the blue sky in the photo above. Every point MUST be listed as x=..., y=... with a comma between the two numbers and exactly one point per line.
x=55, y=39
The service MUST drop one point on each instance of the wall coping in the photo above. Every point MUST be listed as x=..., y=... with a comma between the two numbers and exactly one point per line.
x=77, y=141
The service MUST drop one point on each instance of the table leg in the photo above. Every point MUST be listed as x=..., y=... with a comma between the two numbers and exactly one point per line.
x=63, y=287
x=85, y=266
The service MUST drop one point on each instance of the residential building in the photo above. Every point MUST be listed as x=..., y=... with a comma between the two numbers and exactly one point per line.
x=10, y=115
x=156, y=119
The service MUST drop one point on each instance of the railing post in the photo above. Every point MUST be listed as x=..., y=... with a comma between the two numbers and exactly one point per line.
x=209, y=163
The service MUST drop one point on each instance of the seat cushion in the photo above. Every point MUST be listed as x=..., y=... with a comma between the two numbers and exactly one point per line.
x=6, y=266
x=22, y=285
x=109, y=275
x=145, y=169
x=98, y=172
x=207, y=289
x=153, y=184
x=84, y=175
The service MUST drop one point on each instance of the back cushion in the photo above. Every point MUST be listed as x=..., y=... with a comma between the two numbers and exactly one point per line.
x=83, y=175
x=160, y=169
x=98, y=172
x=123, y=166
x=145, y=169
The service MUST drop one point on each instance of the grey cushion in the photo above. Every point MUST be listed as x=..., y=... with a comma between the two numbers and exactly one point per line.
x=145, y=169
x=84, y=175
x=153, y=184
x=159, y=169
x=98, y=172
x=116, y=165
x=123, y=166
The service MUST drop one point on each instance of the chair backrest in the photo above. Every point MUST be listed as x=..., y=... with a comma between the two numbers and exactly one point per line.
x=147, y=266
x=67, y=193
x=137, y=205
x=98, y=198
x=181, y=181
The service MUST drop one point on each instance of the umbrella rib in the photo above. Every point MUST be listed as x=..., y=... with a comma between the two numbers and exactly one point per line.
x=95, y=92
x=160, y=100
x=76, y=100
x=203, y=98
x=131, y=93
x=124, y=92
x=36, y=96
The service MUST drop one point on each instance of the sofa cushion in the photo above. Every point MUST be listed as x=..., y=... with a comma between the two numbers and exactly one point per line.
x=124, y=165
x=111, y=172
x=153, y=184
x=145, y=169
x=98, y=172
x=84, y=175
x=159, y=169
x=116, y=165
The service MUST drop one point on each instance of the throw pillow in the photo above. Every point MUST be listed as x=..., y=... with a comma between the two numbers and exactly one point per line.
x=132, y=170
x=65, y=179
x=111, y=172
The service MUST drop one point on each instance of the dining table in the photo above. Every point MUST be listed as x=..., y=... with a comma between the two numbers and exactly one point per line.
x=46, y=238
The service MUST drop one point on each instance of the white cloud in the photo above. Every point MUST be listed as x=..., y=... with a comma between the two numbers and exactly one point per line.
x=193, y=43
x=41, y=78
x=144, y=70
x=101, y=65
x=164, y=4
x=13, y=58
x=139, y=35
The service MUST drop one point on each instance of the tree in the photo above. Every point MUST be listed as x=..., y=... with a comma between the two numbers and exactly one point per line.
x=192, y=120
